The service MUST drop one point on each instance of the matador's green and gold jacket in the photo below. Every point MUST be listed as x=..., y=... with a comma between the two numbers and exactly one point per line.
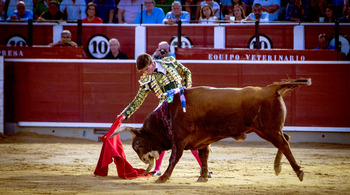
x=177, y=75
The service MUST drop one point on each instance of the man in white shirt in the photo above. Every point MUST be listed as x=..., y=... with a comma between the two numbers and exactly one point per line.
x=270, y=6
x=257, y=14
x=177, y=14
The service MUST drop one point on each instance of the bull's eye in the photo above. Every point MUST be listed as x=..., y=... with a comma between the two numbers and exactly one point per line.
x=143, y=159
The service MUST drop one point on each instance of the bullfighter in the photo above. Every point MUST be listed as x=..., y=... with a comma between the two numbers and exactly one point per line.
x=159, y=76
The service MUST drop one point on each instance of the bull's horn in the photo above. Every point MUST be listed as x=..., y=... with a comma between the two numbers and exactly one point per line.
x=121, y=129
x=150, y=166
x=155, y=154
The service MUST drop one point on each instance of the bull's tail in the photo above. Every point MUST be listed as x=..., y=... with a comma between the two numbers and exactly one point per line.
x=285, y=86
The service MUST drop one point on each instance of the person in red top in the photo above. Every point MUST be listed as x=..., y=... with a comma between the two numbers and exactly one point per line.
x=91, y=14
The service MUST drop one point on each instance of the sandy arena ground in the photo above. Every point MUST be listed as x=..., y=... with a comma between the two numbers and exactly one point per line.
x=41, y=164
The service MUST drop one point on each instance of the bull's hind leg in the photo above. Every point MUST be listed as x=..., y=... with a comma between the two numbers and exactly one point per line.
x=203, y=156
x=281, y=143
x=279, y=155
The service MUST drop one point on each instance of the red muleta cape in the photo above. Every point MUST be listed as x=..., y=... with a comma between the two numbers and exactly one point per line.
x=113, y=148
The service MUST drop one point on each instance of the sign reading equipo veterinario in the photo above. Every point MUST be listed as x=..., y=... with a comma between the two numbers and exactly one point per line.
x=256, y=57
x=279, y=55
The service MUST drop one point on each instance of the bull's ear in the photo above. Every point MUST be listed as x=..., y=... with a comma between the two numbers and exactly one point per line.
x=122, y=129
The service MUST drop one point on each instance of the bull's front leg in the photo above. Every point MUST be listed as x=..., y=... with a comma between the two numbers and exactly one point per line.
x=175, y=156
x=203, y=156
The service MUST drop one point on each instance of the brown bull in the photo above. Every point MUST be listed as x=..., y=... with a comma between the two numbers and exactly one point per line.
x=214, y=114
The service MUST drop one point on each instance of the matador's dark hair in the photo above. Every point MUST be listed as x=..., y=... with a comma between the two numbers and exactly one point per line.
x=143, y=60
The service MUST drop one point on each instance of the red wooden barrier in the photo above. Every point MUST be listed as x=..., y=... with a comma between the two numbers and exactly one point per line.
x=312, y=31
x=42, y=52
x=201, y=36
x=280, y=36
x=42, y=33
x=97, y=91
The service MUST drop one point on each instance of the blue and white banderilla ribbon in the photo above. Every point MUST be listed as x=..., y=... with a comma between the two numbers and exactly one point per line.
x=171, y=94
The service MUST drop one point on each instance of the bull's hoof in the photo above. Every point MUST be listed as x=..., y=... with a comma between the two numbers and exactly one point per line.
x=278, y=169
x=202, y=179
x=301, y=175
x=161, y=180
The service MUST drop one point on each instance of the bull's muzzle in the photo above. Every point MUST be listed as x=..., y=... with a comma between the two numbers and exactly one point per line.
x=149, y=159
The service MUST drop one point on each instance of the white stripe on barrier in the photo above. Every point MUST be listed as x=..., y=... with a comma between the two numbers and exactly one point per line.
x=317, y=129
x=261, y=62
x=139, y=125
x=70, y=61
x=74, y=125
x=299, y=38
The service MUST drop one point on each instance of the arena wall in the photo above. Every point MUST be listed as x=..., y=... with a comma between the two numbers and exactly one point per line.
x=56, y=94
x=96, y=91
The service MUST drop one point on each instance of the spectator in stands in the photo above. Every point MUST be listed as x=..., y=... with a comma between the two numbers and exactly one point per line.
x=193, y=7
x=75, y=9
x=105, y=10
x=150, y=15
x=41, y=7
x=240, y=3
x=249, y=4
x=297, y=11
x=346, y=16
x=226, y=7
x=114, y=52
x=2, y=8
x=323, y=43
x=12, y=6
x=52, y=13
x=176, y=14
x=283, y=9
x=91, y=12
x=65, y=40
x=271, y=7
x=257, y=14
x=329, y=17
x=317, y=9
x=21, y=14
x=215, y=6
x=163, y=51
x=238, y=14
x=165, y=5
x=128, y=10
x=207, y=15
